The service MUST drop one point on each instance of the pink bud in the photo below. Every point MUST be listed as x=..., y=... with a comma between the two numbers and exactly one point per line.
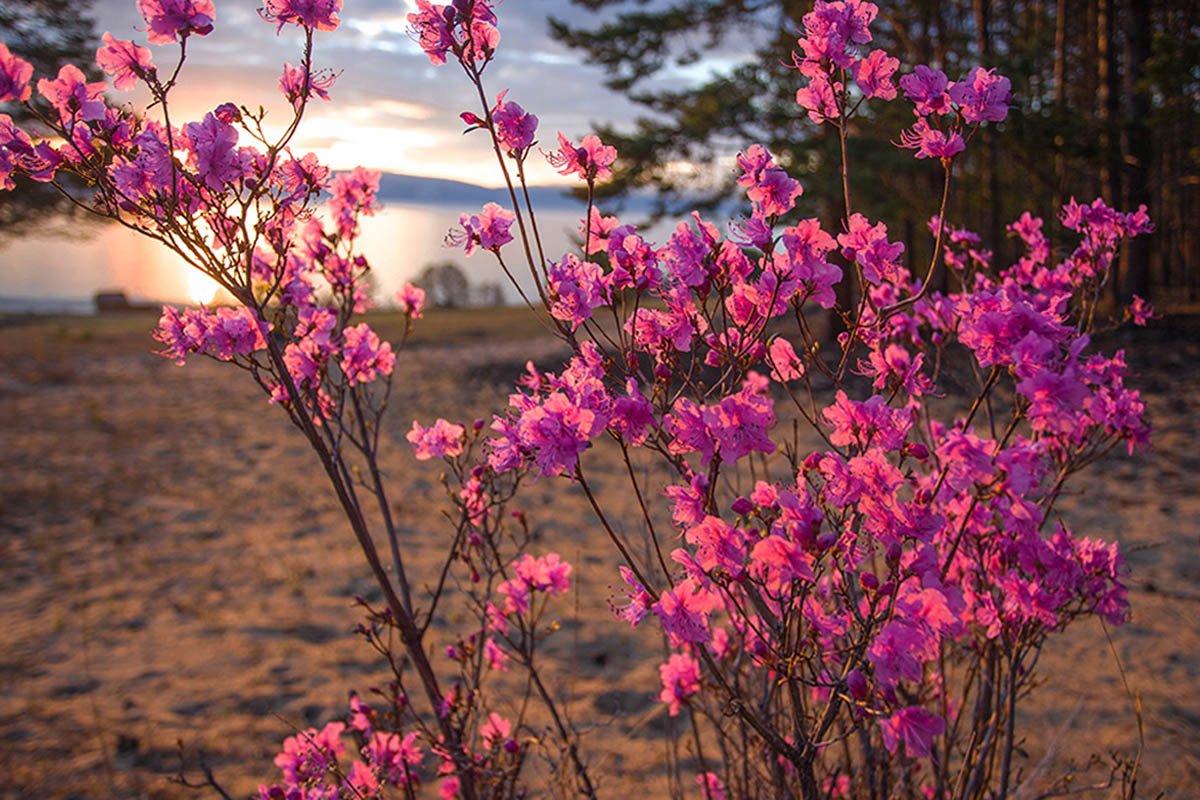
x=856, y=682
x=742, y=506
x=868, y=581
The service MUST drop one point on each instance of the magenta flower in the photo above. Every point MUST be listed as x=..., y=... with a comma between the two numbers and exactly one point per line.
x=870, y=423
x=515, y=127
x=411, y=300
x=548, y=573
x=212, y=152
x=125, y=61
x=292, y=84
x=321, y=15
x=926, y=88
x=867, y=244
x=364, y=357
x=771, y=190
x=441, y=30
x=308, y=755
x=72, y=96
x=711, y=786
x=441, y=440
x=495, y=731
x=487, y=230
x=393, y=758
x=982, y=96
x=819, y=98
x=916, y=727
x=576, y=289
x=684, y=611
x=429, y=27
x=592, y=160
x=785, y=364
x=680, y=680
x=169, y=20
x=930, y=142
x=637, y=599
x=1141, y=311
x=874, y=75
x=15, y=74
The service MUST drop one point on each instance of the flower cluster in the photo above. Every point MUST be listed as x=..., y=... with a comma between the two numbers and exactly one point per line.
x=887, y=583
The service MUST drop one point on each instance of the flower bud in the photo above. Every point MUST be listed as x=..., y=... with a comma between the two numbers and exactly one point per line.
x=856, y=683
x=868, y=581
x=742, y=506
x=916, y=450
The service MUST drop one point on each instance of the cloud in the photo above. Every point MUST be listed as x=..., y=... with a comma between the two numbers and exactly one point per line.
x=391, y=108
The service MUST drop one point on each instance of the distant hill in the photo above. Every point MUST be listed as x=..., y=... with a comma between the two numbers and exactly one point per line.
x=468, y=196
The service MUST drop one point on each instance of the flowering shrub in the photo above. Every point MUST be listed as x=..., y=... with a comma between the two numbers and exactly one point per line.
x=855, y=615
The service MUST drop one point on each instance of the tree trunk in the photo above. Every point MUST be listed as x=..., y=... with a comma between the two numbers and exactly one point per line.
x=1138, y=145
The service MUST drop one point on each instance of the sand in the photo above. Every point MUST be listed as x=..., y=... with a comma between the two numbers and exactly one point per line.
x=175, y=570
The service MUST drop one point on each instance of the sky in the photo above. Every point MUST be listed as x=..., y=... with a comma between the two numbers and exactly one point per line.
x=390, y=109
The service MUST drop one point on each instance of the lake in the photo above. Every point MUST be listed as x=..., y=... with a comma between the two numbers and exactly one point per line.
x=62, y=272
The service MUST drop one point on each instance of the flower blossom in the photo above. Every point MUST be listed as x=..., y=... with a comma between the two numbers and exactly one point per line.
x=592, y=160
x=441, y=440
x=125, y=61
x=15, y=74
x=680, y=680
x=411, y=300
x=171, y=20
x=321, y=15
x=487, y=230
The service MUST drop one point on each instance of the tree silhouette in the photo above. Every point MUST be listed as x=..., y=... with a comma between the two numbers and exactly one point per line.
x=48, y=34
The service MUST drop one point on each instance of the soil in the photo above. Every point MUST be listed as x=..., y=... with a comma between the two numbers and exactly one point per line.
x=176, y=572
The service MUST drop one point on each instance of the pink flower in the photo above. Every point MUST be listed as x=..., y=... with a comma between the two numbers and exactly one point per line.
x=292, y=84
x=926, y=88
x=874, y=75
x=576, y=289
x=771, y=190
x=1141, y=311
x=489, y=230
x=684, y=611
x=320, y=15
x=15, y=74
x=548, y=573
x=168, y=20
x=364, y=357
x=353, y=193
x=515, y=127
x=72, y=96
x=442, y=440
x=125, y=61
x=819, y=98
x=592, y=160
x=930, y=142
x=428, y=26
x=719, y=546
x=497, y=659
x=212, y=152
x=411, y=300
x=306, y=756
x=495, y=730
x=680, y=680
x=637, y=599
x=868, y=245
x=448, y=789
x=444, y=29
x=916, y=727
x=785, y=364
x=711, y=787
x=982, y=96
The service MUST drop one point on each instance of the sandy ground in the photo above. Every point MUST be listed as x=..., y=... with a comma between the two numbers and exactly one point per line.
x=174, y=569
